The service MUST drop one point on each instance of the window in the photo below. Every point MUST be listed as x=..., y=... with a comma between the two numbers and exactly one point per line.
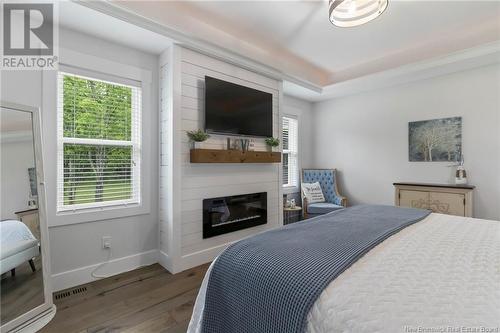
x=99, y=143
x=290, y=149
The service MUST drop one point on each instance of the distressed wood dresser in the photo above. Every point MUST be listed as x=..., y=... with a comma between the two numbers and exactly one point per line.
x=440, y=198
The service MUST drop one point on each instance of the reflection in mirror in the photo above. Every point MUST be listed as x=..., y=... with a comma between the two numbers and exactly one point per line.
x=21, y=262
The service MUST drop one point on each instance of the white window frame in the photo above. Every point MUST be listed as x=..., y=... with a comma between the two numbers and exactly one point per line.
x=68, y=61
x=135, y=142
x=293, y=177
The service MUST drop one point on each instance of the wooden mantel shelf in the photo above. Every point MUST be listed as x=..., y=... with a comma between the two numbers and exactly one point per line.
x=233, y=156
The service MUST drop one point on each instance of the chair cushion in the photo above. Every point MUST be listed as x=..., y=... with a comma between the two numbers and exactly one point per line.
x=13, y=248
x=322, y=208
x=313, y=192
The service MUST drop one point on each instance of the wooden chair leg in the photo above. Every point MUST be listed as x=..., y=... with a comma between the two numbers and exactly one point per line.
x=32, y=264
x=13, y=272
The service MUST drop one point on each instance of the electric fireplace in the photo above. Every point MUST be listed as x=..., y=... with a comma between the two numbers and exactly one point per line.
x=228, y=214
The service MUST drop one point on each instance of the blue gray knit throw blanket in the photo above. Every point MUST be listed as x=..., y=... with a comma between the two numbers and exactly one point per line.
x=269, y=282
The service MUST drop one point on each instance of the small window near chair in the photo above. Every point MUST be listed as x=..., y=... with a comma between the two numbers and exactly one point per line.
x=290, y=152
x=99, y=143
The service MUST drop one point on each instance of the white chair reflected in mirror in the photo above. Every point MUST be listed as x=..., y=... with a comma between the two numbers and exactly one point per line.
x=18, y=246
x=26, y=294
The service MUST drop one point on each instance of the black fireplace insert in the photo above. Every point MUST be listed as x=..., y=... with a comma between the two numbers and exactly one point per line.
x=228, y=214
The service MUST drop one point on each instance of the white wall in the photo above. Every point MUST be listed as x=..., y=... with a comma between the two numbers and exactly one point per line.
x=16, y=158
x=76, y=248
x=365, y=136
x=181, y=229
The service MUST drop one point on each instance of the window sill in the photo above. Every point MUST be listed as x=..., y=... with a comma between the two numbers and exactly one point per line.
x=290, y=189
x=98, y=206
x=68, y=217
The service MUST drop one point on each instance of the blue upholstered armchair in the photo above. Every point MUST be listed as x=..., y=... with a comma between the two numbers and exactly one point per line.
x=327, y=178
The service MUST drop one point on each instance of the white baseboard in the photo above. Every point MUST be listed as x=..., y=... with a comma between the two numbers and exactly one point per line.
x=83, y=275
x=166, y=261
x=201, y=257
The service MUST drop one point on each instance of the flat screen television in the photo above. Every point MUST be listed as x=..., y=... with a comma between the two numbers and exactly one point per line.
x=232, y=109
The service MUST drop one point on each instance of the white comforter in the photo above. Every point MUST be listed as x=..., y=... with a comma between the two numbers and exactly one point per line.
x=439, y=275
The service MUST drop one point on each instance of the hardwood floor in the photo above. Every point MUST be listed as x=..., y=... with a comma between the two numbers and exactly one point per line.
x=148, y=299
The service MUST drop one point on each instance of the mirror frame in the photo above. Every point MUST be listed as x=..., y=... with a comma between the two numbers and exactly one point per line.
x=34, y=319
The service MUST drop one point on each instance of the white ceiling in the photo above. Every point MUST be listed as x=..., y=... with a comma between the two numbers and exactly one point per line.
x=408, y=31
x=296, y=37
x=79, y=18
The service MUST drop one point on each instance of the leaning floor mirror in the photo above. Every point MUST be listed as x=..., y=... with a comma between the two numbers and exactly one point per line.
x=26, y=295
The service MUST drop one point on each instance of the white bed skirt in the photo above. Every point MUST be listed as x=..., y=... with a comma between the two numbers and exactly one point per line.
x=440, y=274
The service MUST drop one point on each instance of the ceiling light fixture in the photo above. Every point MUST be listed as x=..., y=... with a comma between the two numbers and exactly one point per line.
x=351, y=13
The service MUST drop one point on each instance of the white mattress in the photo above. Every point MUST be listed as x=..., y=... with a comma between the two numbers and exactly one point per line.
x=439, y=274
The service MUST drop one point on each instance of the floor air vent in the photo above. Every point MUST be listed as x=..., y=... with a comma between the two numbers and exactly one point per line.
x=68, y=293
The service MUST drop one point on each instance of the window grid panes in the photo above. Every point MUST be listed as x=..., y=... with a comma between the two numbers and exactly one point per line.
x=98, y=143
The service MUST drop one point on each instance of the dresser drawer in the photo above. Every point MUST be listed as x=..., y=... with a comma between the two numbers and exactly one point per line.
x=447, y=203
x=414, y=199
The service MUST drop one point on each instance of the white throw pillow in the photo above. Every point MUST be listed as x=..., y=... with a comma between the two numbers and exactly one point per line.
x=313, y=192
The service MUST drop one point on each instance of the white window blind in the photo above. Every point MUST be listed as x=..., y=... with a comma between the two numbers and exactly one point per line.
x=290, y=152
x=99, y=143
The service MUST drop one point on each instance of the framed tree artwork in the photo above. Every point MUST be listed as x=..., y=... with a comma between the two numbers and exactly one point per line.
x=436, y=140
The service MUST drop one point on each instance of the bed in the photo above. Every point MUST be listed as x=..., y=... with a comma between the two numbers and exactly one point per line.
x=18, y=245
x=440, y=274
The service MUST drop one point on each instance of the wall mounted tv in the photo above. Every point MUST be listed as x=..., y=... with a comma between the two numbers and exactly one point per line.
x=232, y=109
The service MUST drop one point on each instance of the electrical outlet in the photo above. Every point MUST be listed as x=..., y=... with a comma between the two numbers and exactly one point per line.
x=106, y=242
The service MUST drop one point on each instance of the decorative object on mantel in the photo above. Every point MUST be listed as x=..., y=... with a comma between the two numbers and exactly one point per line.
x=448, y=199
x=436, y=140
x=240, y=144
x=251, y=145
x=351, y=13
x=197, y=137
x=244, y=144
x=234, y=145
x=272, y=142
x=233, y=156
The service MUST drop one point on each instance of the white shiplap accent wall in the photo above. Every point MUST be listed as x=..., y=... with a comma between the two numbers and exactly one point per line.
x=169, y=233
x=165, y=125
x=164, y=158
x=200, y=181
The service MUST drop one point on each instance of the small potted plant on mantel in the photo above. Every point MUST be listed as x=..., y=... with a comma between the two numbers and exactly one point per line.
x=197, y=137
x=271, y=143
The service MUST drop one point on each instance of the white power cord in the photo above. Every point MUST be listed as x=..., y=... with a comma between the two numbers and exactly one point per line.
x=97, y=276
